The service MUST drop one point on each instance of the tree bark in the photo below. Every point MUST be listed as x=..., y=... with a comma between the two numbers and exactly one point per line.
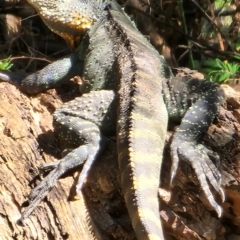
x=25, y=128
x=27, y=141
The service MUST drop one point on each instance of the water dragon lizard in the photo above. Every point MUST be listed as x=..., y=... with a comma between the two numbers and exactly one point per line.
x=129, y=91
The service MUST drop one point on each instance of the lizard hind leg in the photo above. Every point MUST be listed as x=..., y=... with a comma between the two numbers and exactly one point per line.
x=79, y=123
x=83, y=154
x=199, y=101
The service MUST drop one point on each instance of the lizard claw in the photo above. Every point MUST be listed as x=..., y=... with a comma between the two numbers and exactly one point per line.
x=58, y=168
x=207, y=173
x=222, y=195
x=41, y=191
x=14, y=78
x=175, y=162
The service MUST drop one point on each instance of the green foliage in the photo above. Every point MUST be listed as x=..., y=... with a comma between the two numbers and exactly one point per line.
x=220, y=72
x=221, y=3
x=5, y=64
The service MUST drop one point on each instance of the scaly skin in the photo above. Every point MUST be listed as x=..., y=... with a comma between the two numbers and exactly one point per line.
x=124, y=78
x=135, y=90
x=141, y=129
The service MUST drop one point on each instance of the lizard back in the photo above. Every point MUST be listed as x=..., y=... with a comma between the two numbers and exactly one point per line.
x=141, y=127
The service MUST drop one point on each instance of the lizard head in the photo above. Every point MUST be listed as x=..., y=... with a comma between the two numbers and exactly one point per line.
x=70, y=19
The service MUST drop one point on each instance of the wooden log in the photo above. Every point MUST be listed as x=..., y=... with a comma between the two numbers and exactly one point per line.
x=27, y=141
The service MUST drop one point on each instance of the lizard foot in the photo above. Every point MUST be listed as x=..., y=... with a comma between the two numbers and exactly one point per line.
x=41, y=191
x=207, y=173
x=84, y=155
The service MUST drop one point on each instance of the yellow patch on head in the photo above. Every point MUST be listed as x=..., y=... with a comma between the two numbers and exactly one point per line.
x=81, y=22
x=74, y=27
x=78, y=23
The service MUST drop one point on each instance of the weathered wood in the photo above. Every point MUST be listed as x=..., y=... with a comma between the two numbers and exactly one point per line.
x=25, y=127
x=27, y=141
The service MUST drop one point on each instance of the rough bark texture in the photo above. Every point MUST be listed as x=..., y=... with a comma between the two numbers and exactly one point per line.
x=25, y=130
x=27, y=141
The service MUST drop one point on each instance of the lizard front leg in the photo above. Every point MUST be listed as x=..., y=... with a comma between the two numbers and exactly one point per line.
x=82, y=123
x=50, y=76
x=197, y=101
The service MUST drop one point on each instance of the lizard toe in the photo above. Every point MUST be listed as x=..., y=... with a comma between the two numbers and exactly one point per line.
x=39, y=193
x=175, y=162
x=48, y=166
x=43, y=188
x=206, y=172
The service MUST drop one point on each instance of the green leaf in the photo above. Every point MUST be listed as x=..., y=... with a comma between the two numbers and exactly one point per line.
x=5, y=64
